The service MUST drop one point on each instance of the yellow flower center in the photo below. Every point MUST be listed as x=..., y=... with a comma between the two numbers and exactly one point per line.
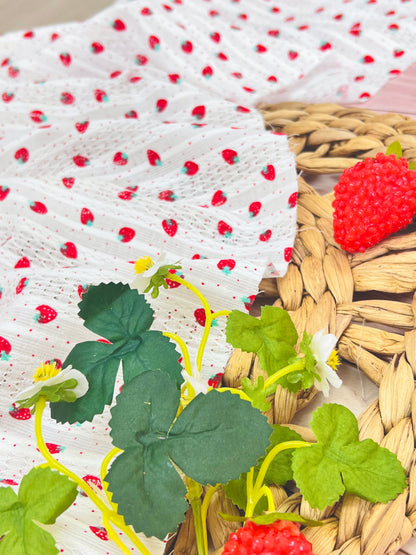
x=333, y=360
x=143, y=264
x=45, y=371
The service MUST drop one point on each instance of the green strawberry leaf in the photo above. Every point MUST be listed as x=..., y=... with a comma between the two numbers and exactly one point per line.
x=339, y=462
x=207, y=442
x=272, y=337
x=43, y=495
x=256, y=392
x=395, y=148
x=123, y=317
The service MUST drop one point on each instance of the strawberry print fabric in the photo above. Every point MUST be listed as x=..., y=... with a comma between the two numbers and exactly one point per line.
x=136, y=133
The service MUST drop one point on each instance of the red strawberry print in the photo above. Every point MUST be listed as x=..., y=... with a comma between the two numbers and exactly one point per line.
x=287, y=254
x=54, y=448
x=365, y=95
x=254, y=209
x=54, y=37
x=8, y=482
x=5, y=348
x=215, y=36
x=248, y=302
x=395, y=72
x=67, y=98
x=338, y=17
x=56, y=361
x=146, y=11
x=213, y=13
x=265, y=236
x=13, y=71
x=96, y=47
x=249, y=89
x=132, y=114
x=167, y=8
x=7, y=96
x=222, y=56
x=87, y=217
x=4, y=191
x=200, y=316
x=154, y=42
x=81, y=290
x=141, y=60
x=260, y=49
x=325, y=46
x=22, y=155
x=38, y=116
x=38, y=207
x=219, y=198
x=198, y=257
x=81, y=161
x=135, y=79
x=367, y=59
x=230, y=156
x=46, y=314
x=118, y=25
x=19, y=414
x=82, y=126
x=215, y=380
x=65, y=58
x=167, y=195
x=129, y=193
x=393, y=27
x=224, y=229
x=303, y=27
x=100, y=95
x=68, y=182
x=356, y=29
x=171, y=283
x=22, y=263
x=5, y=62
x=154, y=158
x=93, y=481
x=292, y=54
x=120, y=159
x=28, y=34
x=268, y=172
x=273, y=32
x=190, y=168
x=175, y=78
x=207, y=72
x=115, y=74
x=69, y=250
x=187, y=46
x=100, y=532
x=170, y=227
x=398, y=53
x=293, y=200
x=126, y=234
x=161, y=104
x=198, y=112
x=226, y=266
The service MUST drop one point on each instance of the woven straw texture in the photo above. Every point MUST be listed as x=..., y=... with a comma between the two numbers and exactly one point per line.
x=368, y=301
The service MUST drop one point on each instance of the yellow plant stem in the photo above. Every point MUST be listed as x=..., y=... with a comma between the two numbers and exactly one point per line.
x=295, y=367
x=235, y=391
x=184, y=350
x=253, y=492
x=103, y=472
x=219, y=313
x=194, y=497
x=108, y=514
x=204, y=511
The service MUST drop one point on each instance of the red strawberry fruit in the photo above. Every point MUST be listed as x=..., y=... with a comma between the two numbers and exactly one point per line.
x=226, y=266
x=219, y=198
x=170, y=227
x=81, y=161
x=38, y=207
x=118, y=25
x=22, y=263
x=87, y=217
x=373, y=199
x=265, y=236
x=154, y=158
x=96, y=48
x=293, y=200
x=69, y=250
x=19, y=414
x=4, y=191
x=65, y=58
x=120, y=158
x=22, y=155
x=38, y=116
x=254, y=209
x=161, y=104
x=167, y=195
x=224, y=229
x=287, y=254
x=281, y=537
x=190, y=168
x=268, y=172
x=5, y=348
x=46, y=314
x=82, y=126
x=230, y=156
x=68, y=182
x=100, y=532
x=126, y=234
x=198, y=112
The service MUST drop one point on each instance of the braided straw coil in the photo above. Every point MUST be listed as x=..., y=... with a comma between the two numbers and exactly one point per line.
x=368, y=301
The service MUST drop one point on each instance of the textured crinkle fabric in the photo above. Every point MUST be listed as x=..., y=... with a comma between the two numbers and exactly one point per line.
x=135, y=133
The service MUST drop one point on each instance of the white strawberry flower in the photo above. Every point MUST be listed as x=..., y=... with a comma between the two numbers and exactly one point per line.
x=196, y=382
x=151, y=275
x=54, y=384
x=323, y=349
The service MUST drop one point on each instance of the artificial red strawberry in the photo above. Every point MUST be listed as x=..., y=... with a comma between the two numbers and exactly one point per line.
x=280, y=538
x=38, y=116
x=219, y=198
x=69, y=250
x=373, y=199
x=100, y=532
x=82, y=126
x=154, y=158
x=287, y=254
x=167, y=195
x=224, y=228
x=126, y=234
x=161, y=104
x=268, y=172
x=23, y=262
x=19, y=414
x=120, y=158
x=21, y=285
x=230, y=156
x=226, y=265
x=5, y=348
x=38, y=207
x=96, y=48
x=254, y=209
x=190, y=168
x=65, y=58
x=22, y=155
x=68, y=182
x=46, y=314
x=87, y=217
x=4, y=191
x=170, y=227
x=266, y=235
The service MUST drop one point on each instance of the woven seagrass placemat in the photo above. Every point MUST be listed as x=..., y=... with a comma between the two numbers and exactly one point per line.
x=368, y=301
